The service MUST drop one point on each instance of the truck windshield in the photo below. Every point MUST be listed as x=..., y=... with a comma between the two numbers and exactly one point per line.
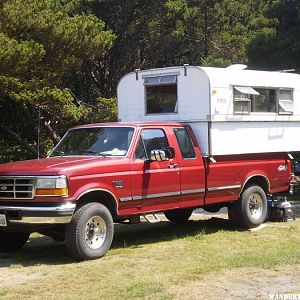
x=103, y=141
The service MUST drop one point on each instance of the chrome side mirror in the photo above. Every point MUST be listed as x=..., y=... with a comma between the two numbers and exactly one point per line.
x=158, y=155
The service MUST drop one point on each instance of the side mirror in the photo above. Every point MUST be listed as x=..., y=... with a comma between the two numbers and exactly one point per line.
x=162, y=155
x=158, y=155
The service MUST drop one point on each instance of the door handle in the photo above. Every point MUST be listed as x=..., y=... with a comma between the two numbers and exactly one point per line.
x=172, y=166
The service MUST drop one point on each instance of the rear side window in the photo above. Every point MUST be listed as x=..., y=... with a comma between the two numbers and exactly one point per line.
x=185, y=144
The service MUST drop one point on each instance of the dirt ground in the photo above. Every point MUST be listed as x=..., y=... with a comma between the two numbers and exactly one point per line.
x=244, y=283
x=239, y=283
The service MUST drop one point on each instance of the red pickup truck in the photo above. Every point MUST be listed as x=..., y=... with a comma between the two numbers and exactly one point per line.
x=102, y=174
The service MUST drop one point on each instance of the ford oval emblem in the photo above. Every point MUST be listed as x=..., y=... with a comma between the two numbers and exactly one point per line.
x=3, y=188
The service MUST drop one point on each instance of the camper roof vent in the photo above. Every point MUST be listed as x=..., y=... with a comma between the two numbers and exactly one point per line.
x=237, y=67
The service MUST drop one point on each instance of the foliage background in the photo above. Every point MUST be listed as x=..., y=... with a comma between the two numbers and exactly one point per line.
x=56, y=56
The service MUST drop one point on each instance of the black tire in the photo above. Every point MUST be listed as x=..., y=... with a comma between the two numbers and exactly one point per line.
x=179, y=215
x=251, y=209
x=12, y=241
x=90, y=233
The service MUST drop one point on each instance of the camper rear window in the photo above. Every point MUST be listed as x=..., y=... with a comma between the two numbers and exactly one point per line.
x=269, y=100
x=161, y=94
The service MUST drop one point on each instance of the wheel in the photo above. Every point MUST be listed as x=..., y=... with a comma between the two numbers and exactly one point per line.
x=179, y=215
x=12, y=241
x=251, y=209
x=90, y=233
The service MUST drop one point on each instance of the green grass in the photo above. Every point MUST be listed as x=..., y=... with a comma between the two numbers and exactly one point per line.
x=145, y=261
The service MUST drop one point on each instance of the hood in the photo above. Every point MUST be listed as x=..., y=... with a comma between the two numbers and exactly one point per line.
x=69, y=165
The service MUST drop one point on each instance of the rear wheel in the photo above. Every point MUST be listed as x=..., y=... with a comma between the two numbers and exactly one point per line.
x=90, y=233
x=251, y=209
x=179, y=215
x=12, y=241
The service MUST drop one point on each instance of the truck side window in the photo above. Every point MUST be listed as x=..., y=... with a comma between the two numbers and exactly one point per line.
x=151, y=139
x=185, y=143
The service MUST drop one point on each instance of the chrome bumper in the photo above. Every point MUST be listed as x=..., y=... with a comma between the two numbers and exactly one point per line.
x=39, y=214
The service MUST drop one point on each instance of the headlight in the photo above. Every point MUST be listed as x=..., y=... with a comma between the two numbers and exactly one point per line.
x=51, y=186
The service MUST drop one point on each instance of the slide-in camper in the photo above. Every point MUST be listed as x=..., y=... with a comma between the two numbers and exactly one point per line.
x=231, y=110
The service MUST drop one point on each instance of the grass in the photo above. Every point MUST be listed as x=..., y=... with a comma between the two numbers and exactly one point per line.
x=146, y=260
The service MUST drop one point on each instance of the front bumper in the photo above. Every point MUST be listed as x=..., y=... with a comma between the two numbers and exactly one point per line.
x=59, y=214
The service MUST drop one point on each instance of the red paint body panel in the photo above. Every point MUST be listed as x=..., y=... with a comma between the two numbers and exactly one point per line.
x=141, y=186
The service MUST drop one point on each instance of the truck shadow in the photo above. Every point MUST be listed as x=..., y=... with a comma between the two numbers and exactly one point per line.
x=145, y=233
x=43, y=250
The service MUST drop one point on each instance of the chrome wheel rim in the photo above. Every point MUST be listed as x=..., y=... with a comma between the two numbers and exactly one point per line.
x=95, y=232
x=255, y=206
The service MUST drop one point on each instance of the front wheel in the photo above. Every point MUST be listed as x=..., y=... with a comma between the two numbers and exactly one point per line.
x=12, y=241
x=90, y=233
x=251, y=209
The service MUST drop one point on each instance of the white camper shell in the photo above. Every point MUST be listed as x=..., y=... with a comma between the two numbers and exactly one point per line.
x=231, y=110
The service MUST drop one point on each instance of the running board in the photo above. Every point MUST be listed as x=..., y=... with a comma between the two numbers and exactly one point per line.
x=151, y=218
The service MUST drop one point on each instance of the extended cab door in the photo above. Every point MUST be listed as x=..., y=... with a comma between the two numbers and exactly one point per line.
x=155, y=185
x=191, y=167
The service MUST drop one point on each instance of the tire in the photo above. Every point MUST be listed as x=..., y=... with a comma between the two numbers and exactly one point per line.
x=12, y=241
x=251, y=209
x=90, y=233
x=179, y=215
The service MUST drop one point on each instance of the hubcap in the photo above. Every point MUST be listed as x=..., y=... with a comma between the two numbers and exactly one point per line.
x=255, y=206
x=95, y=232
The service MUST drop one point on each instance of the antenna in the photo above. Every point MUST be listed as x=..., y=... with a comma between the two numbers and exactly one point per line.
x=78, y=101
x=39, y=132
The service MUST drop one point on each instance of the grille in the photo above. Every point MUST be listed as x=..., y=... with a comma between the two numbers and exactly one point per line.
x=16, y=188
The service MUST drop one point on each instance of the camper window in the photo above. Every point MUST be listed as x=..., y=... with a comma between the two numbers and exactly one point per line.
x=242, y=99
x=248, y=99
x=161, y=94
x=286, y=102
x=265, y=101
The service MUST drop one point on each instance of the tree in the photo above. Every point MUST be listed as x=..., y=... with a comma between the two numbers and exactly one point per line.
x=236, y=24
x=163, y=33
x=44, y=48
x=279, y=49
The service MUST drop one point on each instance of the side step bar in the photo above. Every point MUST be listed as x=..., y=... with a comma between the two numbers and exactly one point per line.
x=151, y=218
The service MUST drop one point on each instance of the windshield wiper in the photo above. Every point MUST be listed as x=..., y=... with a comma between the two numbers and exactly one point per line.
x=60, y=153
x=90, y=152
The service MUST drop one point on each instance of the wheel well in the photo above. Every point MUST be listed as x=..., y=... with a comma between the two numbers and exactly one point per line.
x=259, y=180
x=102, y=197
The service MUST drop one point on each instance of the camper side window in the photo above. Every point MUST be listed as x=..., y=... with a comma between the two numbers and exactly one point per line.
x=161, y=94
x=242, y=99
x=257, y=100
x=286, y=102
x=265, y=101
